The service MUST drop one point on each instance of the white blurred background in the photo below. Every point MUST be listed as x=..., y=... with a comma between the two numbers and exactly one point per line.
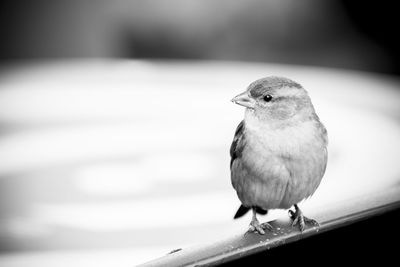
x=115, y=119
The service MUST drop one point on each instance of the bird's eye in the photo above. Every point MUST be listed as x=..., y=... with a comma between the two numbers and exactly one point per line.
x=267, y=98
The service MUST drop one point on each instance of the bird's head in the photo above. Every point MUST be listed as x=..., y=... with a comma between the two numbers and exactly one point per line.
x=275, y=98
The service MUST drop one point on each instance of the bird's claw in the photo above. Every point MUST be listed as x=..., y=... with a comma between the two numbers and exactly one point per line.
x=300, y=220
x=255, y=226
x=267, y=226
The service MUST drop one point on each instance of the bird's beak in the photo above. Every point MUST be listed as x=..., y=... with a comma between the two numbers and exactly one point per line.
x=244, y=100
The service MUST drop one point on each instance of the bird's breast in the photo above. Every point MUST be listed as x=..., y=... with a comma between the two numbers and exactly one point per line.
x=283, y=166
x=286, y=143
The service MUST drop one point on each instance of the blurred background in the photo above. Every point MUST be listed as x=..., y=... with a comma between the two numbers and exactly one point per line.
x=332, y=33
x=115, y=119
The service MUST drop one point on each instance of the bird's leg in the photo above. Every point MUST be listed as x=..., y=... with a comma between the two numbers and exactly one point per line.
x=255, y=226
x=300, y=220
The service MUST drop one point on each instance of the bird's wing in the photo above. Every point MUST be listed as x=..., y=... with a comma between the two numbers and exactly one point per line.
x=237, y=147
x=237, y=143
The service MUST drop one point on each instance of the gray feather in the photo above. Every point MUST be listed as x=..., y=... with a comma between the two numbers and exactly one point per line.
x=237, y=143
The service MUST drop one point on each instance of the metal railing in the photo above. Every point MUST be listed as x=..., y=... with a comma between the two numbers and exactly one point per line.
x=242, y=245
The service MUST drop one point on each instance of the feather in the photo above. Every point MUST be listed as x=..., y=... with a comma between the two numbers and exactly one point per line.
x=237, y=143
x=243, y=210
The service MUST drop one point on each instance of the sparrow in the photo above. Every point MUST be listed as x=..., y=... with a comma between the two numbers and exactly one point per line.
x=279, y=150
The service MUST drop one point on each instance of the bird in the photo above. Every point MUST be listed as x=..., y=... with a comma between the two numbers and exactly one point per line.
x=279, y=151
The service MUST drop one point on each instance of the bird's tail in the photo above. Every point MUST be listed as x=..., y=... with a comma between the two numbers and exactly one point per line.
x=243, y=210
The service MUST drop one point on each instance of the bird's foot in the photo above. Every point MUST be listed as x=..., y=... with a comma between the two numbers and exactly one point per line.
x=267, y=226
x=255, y=226
x=301, y=220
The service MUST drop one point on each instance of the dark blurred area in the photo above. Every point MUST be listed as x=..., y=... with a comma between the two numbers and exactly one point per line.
x=341, y=34
x=361, y=246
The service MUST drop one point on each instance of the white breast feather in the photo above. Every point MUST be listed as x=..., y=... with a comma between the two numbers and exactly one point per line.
x=280, y=161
